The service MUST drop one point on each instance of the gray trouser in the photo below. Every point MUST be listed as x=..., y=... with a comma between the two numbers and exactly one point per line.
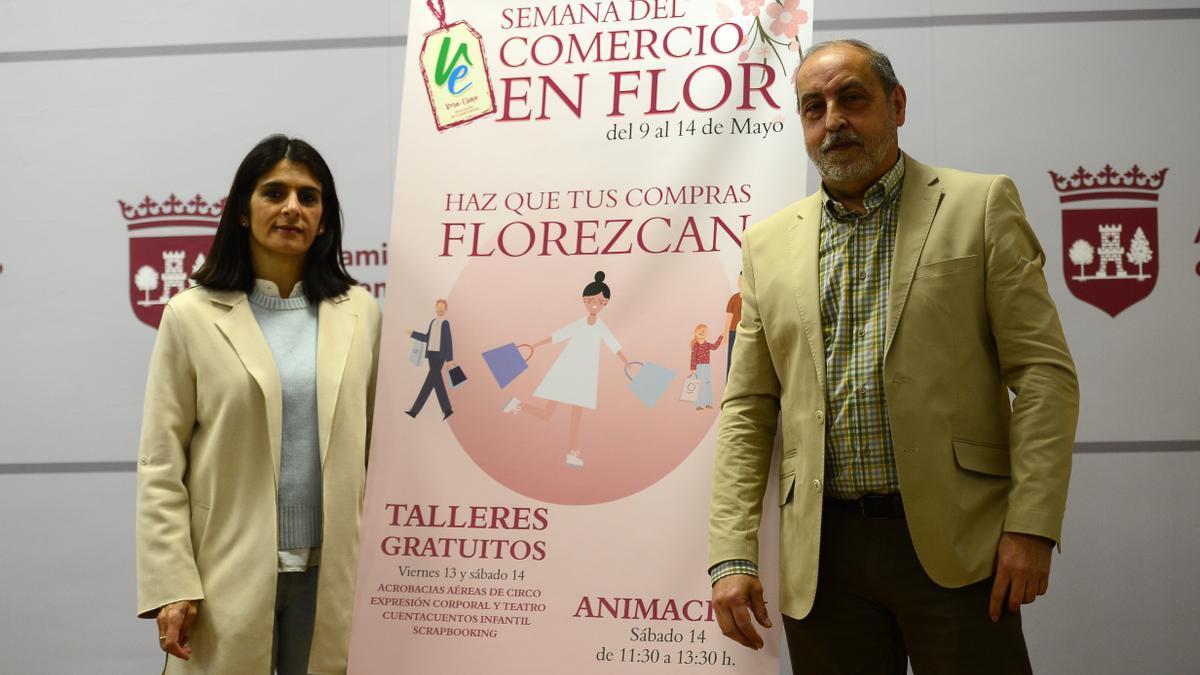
x=295, y=611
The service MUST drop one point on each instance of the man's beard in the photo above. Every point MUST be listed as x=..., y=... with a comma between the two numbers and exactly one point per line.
x=851, y=170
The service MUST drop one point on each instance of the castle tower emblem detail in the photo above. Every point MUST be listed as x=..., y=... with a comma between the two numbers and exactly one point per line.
x=1110, y=252
x=167, y=244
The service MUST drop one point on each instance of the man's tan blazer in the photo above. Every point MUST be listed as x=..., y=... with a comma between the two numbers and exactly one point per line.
x=208, y=471
x=969, y=318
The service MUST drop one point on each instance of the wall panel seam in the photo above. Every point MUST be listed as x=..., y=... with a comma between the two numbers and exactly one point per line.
x=387, y=41
x=1103, y=447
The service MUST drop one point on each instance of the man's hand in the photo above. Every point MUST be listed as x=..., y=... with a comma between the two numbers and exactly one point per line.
x=1022, y=571
x=731, y=597
x=174, y=622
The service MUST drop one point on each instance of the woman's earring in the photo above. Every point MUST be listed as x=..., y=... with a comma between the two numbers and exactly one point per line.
x=245, y=223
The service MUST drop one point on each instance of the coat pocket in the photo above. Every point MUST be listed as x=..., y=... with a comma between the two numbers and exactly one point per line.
x=199, y=522
x=787, y=485
x=983, y=458
x=947, y=266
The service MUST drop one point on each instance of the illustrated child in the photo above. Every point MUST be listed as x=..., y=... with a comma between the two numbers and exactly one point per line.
x=575, y=376
x=701, y=350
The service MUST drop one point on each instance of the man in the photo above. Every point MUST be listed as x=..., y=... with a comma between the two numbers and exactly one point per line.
x=440, y=352
x=885, y=320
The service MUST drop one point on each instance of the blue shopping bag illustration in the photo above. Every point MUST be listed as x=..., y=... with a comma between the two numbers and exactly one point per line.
x=506, y=362
x=650, y=381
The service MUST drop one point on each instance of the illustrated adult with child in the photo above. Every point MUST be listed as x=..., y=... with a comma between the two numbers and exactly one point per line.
x=733, y=316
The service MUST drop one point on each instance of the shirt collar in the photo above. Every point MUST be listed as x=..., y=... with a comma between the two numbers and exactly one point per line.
x=269, y=289
x=882, y=191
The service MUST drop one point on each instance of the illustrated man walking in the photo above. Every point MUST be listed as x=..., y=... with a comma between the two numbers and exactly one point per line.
x=886, y=319
x=439, y=352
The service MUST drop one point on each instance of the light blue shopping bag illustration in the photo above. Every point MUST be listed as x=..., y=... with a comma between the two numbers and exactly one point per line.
x=650, y=381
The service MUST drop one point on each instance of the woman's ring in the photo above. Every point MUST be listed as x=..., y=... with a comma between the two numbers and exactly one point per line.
x=162, y=637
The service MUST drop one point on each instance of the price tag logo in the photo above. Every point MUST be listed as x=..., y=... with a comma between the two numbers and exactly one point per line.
x=454, y=67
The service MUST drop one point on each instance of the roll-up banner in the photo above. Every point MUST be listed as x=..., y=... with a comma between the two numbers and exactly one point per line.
x=572, y=185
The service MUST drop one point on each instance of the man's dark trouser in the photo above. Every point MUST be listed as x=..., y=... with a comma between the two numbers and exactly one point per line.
x=433, y=383
x=876, y=608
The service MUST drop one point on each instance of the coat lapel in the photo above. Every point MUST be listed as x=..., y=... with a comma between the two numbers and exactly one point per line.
x=335, y=333
x=919, y=201
x=806, y=280
x=241, y=329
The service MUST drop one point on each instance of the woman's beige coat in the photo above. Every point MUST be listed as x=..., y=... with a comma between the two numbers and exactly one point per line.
x=208, y=468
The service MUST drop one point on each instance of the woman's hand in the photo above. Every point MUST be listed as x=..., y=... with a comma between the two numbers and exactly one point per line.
x=174, y=622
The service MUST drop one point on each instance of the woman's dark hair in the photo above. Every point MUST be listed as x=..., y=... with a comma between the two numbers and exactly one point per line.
x=597, y=286
x=228, y=265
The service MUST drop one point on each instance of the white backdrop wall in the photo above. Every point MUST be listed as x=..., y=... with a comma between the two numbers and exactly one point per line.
x=120, y=100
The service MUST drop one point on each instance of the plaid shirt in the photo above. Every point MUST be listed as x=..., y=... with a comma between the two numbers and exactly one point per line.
x=855, y=268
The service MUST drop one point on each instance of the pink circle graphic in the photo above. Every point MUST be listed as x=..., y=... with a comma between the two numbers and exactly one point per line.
x=625, y=445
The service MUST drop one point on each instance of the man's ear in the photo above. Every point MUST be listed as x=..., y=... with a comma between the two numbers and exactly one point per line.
x=898, y=103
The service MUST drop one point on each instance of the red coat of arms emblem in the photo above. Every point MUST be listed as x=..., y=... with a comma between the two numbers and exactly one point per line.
x=1110, y=253
x=167, y=244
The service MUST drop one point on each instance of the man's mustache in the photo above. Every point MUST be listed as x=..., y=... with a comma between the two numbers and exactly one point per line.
x=838, y=137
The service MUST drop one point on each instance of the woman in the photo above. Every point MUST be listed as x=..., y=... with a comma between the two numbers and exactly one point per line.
x=575, y=375
x=254, y=439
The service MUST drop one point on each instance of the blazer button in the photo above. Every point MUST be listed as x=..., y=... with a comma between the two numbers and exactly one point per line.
x=145, y=460
x=820, y=417
x=817, y=484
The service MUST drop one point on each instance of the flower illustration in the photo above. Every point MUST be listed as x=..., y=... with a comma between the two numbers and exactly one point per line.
x=787, y=17
x=760, y=44
x=751, y=7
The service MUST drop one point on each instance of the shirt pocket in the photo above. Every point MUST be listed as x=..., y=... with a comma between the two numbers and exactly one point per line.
x=948, y=266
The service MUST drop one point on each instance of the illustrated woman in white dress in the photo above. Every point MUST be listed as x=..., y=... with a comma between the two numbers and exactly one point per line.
x=575, y=375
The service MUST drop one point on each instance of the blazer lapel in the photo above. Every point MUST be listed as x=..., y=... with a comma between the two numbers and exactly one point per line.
x=919, y=201
x=335, y=333
x=806, y=280
x=241, y=329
